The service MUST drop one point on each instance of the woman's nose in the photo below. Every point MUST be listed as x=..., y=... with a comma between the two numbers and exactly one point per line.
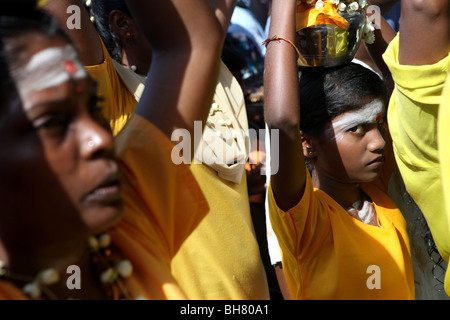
x=96, y=140
x=377, y=141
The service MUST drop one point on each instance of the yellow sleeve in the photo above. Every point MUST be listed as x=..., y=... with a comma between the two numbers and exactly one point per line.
x=118, y=103
x=412, y=118
x=298, y=230
x=444, y=142
x=163, y=203
x=444, y=155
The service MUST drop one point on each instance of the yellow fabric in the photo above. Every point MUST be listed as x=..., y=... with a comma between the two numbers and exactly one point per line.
x=327, y=254
x=221, y=258
x=158, y=216
x=444, y=142
x=307, y=16
x=118, y=103
x=412, y=117
x=444, y=155
x=229, y=272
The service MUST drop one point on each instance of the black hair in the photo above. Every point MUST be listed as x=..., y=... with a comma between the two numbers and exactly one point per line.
x=100, y=10
x=19, y=17
x=326, y=93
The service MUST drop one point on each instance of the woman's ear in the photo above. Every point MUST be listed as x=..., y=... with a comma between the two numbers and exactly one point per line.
x=307, y=145
x=120, y=25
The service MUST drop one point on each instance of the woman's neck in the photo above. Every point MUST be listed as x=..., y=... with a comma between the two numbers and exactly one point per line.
x=349, y=196
x=346, y=194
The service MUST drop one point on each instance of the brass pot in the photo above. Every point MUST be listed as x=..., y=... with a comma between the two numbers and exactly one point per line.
x=327, y=45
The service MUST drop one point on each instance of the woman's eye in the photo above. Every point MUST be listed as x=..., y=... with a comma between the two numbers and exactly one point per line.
x=94, y=103
x=51, y=122
x=357, y=129
x=95, y=110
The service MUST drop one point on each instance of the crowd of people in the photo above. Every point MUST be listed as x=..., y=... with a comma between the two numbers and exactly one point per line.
x=176, y=150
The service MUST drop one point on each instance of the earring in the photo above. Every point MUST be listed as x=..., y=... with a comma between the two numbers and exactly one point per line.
x=310, y=153
x=133, y=68
x=128, y=35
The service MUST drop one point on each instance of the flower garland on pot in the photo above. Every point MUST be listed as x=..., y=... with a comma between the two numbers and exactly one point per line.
x=314, y=12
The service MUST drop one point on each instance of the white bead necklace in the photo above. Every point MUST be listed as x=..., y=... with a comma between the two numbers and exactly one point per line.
x=110, y=273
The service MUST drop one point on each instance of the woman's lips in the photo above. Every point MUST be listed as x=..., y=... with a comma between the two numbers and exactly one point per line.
x=378, y=161
x=106, y=192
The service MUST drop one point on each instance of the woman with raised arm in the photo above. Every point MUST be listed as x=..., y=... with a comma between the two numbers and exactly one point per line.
x=230, y=272
x=341, y=236
x=418, y=59
x=70, y=238
x=118, y=85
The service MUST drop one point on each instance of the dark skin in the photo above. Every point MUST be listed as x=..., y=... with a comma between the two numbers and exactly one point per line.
x=173, y=58
x=62, y=156
x=339, y=166
x=415, y=15
x=372, y=53
x=136, y=50
x=336, y=171
x=54, y=127
x=86, y=38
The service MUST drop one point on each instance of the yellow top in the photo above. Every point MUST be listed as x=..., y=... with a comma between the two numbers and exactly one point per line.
x=412, y=117
x=163, y=205
x=329, y=255
x=118, y=102
x=221, y=258
x=212, y=264
x=444, y=142
x=444, y=154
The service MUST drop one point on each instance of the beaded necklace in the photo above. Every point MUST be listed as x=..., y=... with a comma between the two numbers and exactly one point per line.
x=106, y=264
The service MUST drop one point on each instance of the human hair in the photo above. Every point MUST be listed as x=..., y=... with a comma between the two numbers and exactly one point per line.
x=325, y=93
x=17, y=18
x=100, y=10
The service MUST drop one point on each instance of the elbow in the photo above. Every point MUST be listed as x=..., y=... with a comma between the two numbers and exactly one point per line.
x=430, y=9
x=282, y=122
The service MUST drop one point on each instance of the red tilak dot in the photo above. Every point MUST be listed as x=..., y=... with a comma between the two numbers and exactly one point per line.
x=70, y=67
x=79, y=89
x=378, y=117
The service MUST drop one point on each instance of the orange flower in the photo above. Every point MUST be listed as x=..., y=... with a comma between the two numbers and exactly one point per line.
x=307, y=15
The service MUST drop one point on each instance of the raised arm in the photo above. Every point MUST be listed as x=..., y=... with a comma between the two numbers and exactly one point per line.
x=187, y=43
x=282, y=109
x=424, y=31
x=74, y=19
x=419, y=64
x=223, y=10
x=384, y=34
